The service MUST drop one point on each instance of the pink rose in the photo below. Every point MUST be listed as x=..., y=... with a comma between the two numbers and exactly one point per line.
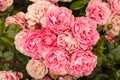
x=84, y=30
x=57, y=19
x=36, y=69
x=57, y=60
x=36, y=11
x=32, y=43
x=115, y=5
x=38, y=43
x=48, y=40
x=9, y=75
x=20, y=40
x=67, y=41
x=82, y=63
x=115, y=21
x=98, y=11
x=19, y=19
x=4, y=4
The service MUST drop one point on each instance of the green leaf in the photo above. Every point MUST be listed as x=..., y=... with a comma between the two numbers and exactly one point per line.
x=2, y=20
x=1, y=54
x=5, y=66
x=118, y=75
x=76, y=5
x=12, y=30
x=8, y=55
x=6, y=41
x=86, y=1
x=116, y=54
x=102, y=77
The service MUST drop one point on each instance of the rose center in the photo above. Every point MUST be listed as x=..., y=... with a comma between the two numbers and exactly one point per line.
x=58, y=22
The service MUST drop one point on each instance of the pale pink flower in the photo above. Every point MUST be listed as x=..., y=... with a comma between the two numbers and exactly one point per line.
x=36, y=69
x=57, y=60
x=9, y=75
x=115, y=21
x=4, y=4
x=82, y=63
x=98, y=11
x=85, y=32
x=57, y=19
x=115, y=5
x=36, y=11
x=67, y=41
x=18, y=19
x=20, y=40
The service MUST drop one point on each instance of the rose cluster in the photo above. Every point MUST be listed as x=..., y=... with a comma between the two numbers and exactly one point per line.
x=59, y=43
x=55, y=40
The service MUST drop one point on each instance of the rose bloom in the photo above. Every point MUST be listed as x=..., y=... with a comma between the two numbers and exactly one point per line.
x=67, y=41
x=4, y=4
x=115, y=21
x=18, y=19
x=98, y=11
x=32, y=44
x=57, y=60
x=115, y=5
x=36, y=12
x=57, y=19
x=36, y=69
x=20, y=40
x=38, y=43
x=82, y=63
x=9, y=75
x=85, y=32
x=48, y=40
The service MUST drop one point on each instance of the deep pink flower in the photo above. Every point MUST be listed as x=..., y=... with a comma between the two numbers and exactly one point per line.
x=48, y=40
x=82, y=63
x=57, y=60
x=32, y=44
x=84, y=30
x=4, y=4
x=98, y=11
x=39, y=42
x=20, y=40
x=18, y=19
x=9, y=75
x=36, y=69
x=57, y=19
x=67, y=41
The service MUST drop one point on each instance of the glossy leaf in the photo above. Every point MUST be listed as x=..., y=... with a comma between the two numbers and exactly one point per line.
x=77, y=5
